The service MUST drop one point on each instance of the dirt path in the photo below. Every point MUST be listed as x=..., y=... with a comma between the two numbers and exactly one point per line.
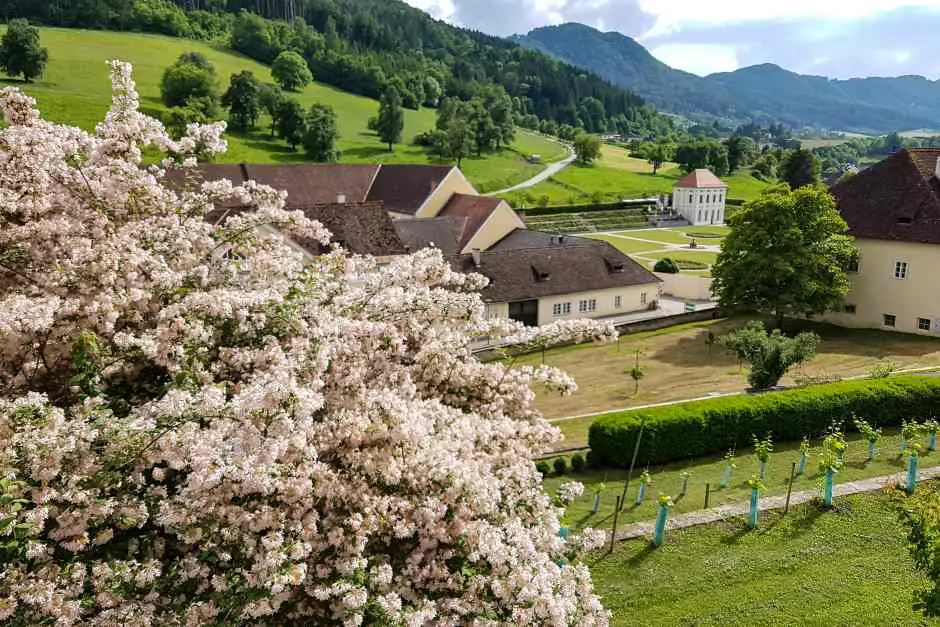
x=544, y=175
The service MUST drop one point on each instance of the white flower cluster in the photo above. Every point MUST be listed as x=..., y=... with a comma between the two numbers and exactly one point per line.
x=191, y=439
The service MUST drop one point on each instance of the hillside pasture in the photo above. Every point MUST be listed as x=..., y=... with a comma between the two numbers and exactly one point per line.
x=75, y=90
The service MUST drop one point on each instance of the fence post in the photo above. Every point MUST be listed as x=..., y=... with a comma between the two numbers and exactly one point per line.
x=708, y=488
x=626, y=484
x=786, y=507
x=613, y=532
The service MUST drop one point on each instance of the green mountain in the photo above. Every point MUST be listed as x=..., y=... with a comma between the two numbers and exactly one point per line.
x=762, y=93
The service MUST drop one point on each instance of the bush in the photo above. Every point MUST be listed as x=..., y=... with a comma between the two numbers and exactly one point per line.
x=666, y=265
x=678, y=432
x=543, y=468
x=560, y=465
x=688, y=264
x=577, y=462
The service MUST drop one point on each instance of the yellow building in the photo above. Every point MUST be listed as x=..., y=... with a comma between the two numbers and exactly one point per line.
x=893, y=210
x=388, y=210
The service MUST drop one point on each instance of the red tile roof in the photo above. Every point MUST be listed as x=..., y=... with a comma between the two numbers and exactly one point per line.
x=700, y=179
x=476, y=209
x=895, y=199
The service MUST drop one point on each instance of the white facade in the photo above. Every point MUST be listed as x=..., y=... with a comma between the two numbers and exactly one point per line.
x=700, y=205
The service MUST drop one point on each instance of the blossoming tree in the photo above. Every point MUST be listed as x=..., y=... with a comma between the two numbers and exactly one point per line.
x=193, y=437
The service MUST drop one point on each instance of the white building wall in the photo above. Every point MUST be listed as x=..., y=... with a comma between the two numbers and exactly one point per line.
x=700, y=206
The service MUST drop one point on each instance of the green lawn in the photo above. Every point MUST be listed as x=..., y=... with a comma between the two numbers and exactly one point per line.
x=666, y=479
x=75, y=89
x=666, y=236
x=849, y=566
x=625, y=245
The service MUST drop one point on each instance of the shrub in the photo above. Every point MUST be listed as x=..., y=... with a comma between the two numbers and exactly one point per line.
x=577, y=462
x=543, y=468
x=666, y=265
x=688, y=264
x=560, y=465
x=708, y=427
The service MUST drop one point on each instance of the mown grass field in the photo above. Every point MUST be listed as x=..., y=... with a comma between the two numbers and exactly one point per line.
x=709, y=470
x=680, y=365
x=617, y=176
x=843, y=567
x=76, y=90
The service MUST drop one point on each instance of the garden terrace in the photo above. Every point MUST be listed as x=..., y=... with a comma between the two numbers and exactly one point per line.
x=588, y=221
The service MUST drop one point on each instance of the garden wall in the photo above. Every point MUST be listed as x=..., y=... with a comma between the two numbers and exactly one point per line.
x=685, y=286
x=710, y=427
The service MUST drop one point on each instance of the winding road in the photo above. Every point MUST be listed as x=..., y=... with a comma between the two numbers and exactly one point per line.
x=544, y=175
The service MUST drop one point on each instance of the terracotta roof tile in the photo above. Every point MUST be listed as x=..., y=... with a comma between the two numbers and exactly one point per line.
x=700, y=179
x=404, y=188
x=895, y=199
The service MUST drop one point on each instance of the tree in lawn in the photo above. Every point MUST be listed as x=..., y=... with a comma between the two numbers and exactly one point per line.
x=637, y=372
x=192, y=437
x=786, y=255
x=656, y=155
x=799, y=168
x=320, y=134
x=391, y=120
x=587, y=148
x=290, y=71
x=191, y=81
x=291, y=122
x=770, y=354
x=243, y=99
x=20, y=51
x=270, y=98
x=455, y=142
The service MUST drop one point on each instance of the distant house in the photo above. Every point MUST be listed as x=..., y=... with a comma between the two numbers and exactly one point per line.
x=893, y=210
x=390, y=210
x=700, y=197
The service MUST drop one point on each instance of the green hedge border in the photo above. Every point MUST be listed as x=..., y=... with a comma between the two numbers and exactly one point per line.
x=688, y=430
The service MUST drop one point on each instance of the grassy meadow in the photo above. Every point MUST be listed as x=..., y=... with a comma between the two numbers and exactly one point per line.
x=617, y=175
x=76, y=90
x=848, y=566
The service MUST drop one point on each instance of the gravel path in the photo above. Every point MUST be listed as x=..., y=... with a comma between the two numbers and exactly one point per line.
x=544, y=175
x=723, y=512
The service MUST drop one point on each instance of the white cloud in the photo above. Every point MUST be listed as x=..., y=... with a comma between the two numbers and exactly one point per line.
x=673, y=15
x=699, y=59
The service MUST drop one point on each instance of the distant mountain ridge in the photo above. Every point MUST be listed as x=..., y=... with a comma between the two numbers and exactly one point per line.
x=763, y=93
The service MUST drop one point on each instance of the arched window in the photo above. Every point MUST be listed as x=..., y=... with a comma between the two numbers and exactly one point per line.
x=691, y=198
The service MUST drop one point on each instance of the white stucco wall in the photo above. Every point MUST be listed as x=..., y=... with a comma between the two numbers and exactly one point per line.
x=700, y=206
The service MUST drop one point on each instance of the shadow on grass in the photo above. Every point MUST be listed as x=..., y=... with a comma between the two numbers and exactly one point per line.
x=801, y=519
x=740, y=529
x=368, y=152
x=644, y=554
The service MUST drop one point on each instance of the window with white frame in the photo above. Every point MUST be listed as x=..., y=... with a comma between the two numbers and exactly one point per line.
x=691, y=198
x=900, y=270
x=586, y=306
x=923, y=324
x=561, y=309
x=618, y=302
x=889, y=320
x=643, y=298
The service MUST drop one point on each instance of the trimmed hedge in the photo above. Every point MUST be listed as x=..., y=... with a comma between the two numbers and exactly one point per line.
x=678, y=432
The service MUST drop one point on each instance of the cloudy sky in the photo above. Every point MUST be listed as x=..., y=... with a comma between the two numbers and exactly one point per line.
x=837, y=38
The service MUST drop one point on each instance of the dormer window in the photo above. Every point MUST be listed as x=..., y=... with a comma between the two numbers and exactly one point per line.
x=905, y=220
x=541, y=274
x=614, y=265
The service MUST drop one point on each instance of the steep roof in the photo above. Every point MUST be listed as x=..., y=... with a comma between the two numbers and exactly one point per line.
x=316, y=183
x=476, y=209
x=700, y=179
x=895, y=199
x=360, y=228
x=529, y=238
x=526, y=273
x=404, y=188
x=440, y=232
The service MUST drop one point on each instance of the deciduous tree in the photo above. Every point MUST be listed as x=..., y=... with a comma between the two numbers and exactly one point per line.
x=201, y=438
x=189, y=80
x=243, y=99
x=587, y=148
x=770, y=354
x=291, y=71
x=800, y=168
x=291, y=122
x=391, y=120
x=320, y=133
x=20, y=51
x=786, y=255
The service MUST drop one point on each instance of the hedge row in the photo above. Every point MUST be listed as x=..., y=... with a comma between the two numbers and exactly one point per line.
x=677, y=432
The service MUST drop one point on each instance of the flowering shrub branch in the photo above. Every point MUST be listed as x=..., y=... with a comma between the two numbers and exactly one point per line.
x=188, y=437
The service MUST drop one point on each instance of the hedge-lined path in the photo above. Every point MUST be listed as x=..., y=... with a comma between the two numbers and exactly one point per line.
x=724, y=512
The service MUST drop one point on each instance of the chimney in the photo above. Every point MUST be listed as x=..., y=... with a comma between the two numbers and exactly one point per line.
x=476, y=257
x=340, y=198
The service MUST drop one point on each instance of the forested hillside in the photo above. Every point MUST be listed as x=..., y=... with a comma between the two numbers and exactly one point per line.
x=363, y=46
x=761, y=93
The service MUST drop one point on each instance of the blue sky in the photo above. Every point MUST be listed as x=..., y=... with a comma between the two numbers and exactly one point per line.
x=836, y=38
